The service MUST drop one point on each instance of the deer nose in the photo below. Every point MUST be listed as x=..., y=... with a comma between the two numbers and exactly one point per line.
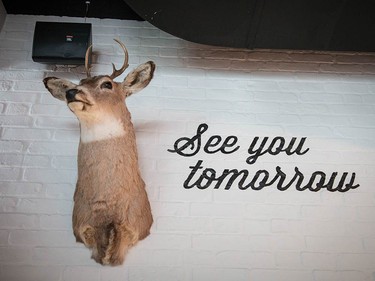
x=71, y=94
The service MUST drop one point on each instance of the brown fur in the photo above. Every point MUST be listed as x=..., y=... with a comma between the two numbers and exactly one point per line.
x=111, y=208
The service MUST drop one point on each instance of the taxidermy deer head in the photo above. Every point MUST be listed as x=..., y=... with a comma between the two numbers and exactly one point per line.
x=111, y=209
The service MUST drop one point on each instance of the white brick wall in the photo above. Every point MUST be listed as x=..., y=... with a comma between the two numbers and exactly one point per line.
x=206, y=234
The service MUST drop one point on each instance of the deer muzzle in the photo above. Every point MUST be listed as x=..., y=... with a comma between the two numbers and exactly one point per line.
x=71, y=95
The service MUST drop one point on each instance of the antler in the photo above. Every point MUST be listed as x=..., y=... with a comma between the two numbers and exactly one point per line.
x=118, y=72
x=87, y=67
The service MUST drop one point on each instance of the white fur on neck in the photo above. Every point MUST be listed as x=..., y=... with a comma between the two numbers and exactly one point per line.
x=105, y=129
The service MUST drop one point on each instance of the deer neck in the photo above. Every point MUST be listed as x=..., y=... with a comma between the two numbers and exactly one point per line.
x=105, y=128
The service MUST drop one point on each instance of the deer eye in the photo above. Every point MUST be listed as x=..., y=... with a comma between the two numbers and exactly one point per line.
x=106, y=85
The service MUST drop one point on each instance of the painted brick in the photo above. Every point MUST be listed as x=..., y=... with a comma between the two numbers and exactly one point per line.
x=113, y=273
x=11, y=44
x=197, y=234
x=316, y=227
x=26, y=134
x=149, y=273
x=64, y=162
x=216, y=210
x=22, y=189
x=288, y=259
x=369, y=244
x=15, y=255
x=220, y=242
x=326, y=213
x=12, y=75
x=340, y=68
x=27, y=86
x=225, y=54
x=52, y=122
x=308, y=57
x=183, y=195
x=333, y=244
x=32, y=273
x=14, y=54
x=42, y=238
x=358, y=199
x=10, y=174
x=18, y=221
x=255, y=227
x=220, y=274
x=176, y=209
x=320, y=97
x=61, y=256
x=19, y=96
x=164, y=241
x=53, y=110
x=366, y=213
x=55, y=221
x=287, y=242
x=18, y=109
x=75, y=273
x=183, y=224
x=4, y=235
x=49, y=175
x=346, y=275
x=11, y=159
x=67, y=136
x=54, y=148
x=365, y=228
x=243, y=259
x=227, y=225
x=16, y=121
x=36, y=161
x=156, y=258
x=263, y=274
x=6, y=85
x=319, y=260
x=38, y=206
x=349, y=261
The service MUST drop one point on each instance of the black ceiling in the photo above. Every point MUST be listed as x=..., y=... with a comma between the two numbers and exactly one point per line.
x=113, y=9
x=333, y=25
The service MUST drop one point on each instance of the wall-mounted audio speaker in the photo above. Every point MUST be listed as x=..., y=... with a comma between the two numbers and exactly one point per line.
x=61, y=43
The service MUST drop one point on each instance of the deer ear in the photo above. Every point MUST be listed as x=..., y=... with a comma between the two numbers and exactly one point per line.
x=58, y=87
x=139, y=78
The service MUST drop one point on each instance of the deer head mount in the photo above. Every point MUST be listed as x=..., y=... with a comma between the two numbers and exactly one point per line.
x=111, y=208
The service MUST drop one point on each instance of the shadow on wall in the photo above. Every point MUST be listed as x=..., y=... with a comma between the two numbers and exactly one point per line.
x=3, y=15
x=231, y=59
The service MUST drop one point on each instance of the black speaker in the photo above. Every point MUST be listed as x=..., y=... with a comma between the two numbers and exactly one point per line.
x=61, y=43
